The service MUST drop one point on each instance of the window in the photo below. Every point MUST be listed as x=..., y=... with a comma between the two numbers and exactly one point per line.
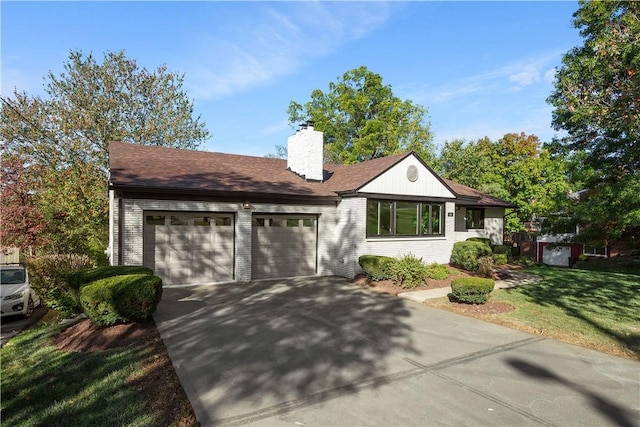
x=155, y=219
x=293, y=222
x=258, y=222
x=595, y=250
x=307, y=222
x=223, y=221
x=179, y=220
x=474, y=218
x=201, y=221
x=404, y=218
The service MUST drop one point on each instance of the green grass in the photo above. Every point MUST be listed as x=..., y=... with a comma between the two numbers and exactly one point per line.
x=621, y=264
x=44, y=386
x=596, y=309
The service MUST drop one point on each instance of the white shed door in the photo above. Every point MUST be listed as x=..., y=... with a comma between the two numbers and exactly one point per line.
x=283, y=246
x=189, y=248
x=556, y=255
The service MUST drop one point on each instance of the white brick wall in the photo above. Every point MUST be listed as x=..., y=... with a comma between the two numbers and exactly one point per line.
x=493, y=226
x=352, y=231
x=134, y=223
x=341, y=233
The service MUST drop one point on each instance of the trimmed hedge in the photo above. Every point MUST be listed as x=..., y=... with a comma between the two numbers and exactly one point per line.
x=501, y=249
x=472, y=290
x=377, y=267
x=482, y=240
x=121, y=299
x=465, y=254
x=82, y=277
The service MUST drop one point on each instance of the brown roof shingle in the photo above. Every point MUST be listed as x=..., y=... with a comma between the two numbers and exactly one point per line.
x=145, y=167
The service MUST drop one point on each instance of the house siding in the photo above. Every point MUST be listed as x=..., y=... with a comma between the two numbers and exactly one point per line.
x=395, y=182
x=352, y=229
x=493, y=226
x=133, y=225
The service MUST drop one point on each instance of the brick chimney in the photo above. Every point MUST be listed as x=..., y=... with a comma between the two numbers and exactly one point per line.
x=305, y=152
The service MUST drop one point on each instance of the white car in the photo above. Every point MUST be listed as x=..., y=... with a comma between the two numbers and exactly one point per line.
x=16, y=295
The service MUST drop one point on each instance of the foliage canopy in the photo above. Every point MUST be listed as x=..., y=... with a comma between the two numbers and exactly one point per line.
x=362, y=119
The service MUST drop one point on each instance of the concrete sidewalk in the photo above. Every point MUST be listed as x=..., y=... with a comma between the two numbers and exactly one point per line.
x=320, y=351
x=513, y=278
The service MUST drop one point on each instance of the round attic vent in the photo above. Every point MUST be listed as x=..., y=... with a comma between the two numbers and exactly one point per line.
x=412, y=173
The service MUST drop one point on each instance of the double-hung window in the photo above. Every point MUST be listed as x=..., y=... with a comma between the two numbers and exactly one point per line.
x=404, y=218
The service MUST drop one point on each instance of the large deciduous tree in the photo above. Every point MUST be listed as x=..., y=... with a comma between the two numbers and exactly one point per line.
x=597, y=102
x=65, y=135
x=362, y=119
x=515, y=168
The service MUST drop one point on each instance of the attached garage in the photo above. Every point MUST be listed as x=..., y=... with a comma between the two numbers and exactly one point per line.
x=188, y=248
x=283, y=246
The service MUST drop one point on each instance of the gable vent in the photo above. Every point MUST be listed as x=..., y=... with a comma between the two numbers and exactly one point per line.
x=412, y=173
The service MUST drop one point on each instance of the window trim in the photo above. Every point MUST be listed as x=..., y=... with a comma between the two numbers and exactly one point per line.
x=420, y=209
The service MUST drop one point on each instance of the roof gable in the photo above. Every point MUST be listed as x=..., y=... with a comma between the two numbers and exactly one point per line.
x=408, y=177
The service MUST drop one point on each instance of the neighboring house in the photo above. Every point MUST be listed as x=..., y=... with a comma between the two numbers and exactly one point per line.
x=561, y=249
x=197, y=217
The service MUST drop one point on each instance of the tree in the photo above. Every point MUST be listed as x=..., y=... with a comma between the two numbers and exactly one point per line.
x=22, y=221
x=596, y=101
x=516, y=168
x=65, y=136
x=362, y=119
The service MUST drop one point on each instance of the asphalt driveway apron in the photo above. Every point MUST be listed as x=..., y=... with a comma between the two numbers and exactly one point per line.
x=320, y=351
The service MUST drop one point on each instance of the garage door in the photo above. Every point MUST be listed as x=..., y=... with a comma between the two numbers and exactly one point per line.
x=556, y=255
x=188, y=248
x=283, y=246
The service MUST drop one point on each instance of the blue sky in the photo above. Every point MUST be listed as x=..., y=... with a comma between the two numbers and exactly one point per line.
x=480, y=68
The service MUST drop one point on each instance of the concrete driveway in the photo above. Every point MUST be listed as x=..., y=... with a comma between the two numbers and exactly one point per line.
x=319, y=351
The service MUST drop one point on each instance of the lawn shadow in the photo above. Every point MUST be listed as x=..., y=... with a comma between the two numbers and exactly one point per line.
x=587, y=295
x=619, y=415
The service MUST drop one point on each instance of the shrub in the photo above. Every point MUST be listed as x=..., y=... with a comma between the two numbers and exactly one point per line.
x=120, y=299
x=485, y=266
x=48, y=277
x=483, y=240
x=437, y=271
x=409, y=271
x=525, y=261
x=82, y=277
x=501, y=249
x=376, y=267
x=465, y=254
x=472, y=290
x=500, y=259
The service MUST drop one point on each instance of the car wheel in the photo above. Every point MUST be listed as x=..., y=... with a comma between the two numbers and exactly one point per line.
x=30, y=307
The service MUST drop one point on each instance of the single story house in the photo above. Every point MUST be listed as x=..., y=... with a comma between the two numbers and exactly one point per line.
x=203, y=217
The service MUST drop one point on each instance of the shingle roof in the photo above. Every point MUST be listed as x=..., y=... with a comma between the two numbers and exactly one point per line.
x=145, y=167
x=481, y=199
x=151, y=167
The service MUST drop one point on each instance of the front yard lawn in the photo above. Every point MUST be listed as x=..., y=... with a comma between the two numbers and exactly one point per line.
x=594, y=309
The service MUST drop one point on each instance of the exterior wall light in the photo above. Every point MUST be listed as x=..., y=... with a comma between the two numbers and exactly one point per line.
x=246, y=205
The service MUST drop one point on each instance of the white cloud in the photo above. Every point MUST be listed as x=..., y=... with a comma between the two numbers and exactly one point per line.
x=526, y=77
x=270, y=42
x=509, y=77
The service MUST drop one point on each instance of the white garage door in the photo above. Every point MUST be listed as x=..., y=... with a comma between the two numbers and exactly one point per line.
x=188, y=248
x=556, y=255
x=283, y=246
